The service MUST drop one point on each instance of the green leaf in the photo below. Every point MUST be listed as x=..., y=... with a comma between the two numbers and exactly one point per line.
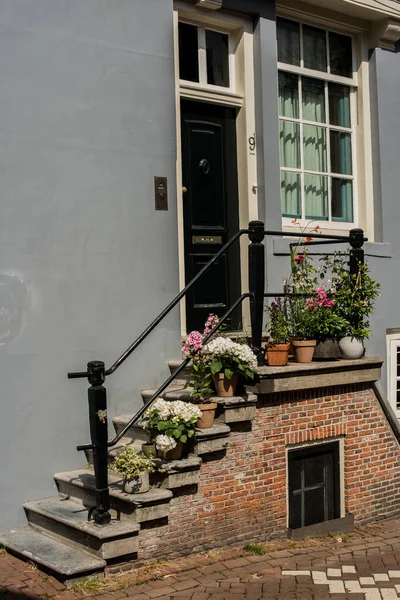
x=183, y=438
x=215, y=367
x=228, y=373
x=190, y=433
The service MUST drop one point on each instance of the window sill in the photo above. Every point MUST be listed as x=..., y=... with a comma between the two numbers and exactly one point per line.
x=335, y=526
x=374, y=249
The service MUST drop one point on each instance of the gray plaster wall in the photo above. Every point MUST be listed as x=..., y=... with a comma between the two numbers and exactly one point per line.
x=87, y=107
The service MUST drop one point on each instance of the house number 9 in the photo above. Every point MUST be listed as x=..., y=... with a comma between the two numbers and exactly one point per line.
x=252, y=142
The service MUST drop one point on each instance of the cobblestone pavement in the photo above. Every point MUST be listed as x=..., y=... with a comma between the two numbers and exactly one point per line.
x=363, y=565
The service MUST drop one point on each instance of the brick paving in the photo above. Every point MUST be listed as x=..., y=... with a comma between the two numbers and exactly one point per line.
x=362, y=566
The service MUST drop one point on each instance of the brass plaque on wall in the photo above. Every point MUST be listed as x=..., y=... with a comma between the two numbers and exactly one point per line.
x=161, y=193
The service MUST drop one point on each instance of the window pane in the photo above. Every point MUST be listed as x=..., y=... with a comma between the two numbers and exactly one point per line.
x=342, y=200
x=314, y=144
x=290, y=194
x=313, y=99
x=188, y=53
x=288, y=34
x=339, y=105
x=316, y=196
x=314, y=48
x=288, y=95
x=289, y=144
x=217, y=58
x=340, y=55
x=341, y=153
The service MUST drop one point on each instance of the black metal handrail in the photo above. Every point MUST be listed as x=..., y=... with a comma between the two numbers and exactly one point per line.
x=96, y=371
x=166, y=311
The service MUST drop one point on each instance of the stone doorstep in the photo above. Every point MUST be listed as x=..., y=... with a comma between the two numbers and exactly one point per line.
x=52, y=555
x=296, y=376
x=150, y=506
x=68, y=521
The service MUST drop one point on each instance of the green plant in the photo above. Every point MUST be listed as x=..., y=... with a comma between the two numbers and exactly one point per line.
x=278, y=323
x=229, y=357
x=302, y=320
x=131, y=464
x=354, y=294
x=170, y=422
x=255, y=549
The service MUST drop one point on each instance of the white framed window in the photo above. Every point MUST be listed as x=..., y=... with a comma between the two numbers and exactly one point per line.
x=317, y=87
x=393, y=368
x=206, y=57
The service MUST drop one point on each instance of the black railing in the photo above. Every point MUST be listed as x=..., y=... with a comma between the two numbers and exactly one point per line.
x=96, y=371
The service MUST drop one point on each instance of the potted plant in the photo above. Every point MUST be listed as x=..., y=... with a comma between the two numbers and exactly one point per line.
x=277, y=349
x=170, y=424
x=227, y=361
x=328, y=324
x=302, y=320
x=201, y=376
x=355, y=297
x=135, y=469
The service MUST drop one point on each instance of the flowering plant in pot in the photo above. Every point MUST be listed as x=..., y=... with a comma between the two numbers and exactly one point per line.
x=227, y=361
x=328, y=324
x=135, y=468
x=355, y=295
x=170, y=424
x=302, y=323
x=277, y=349
x=201, y=377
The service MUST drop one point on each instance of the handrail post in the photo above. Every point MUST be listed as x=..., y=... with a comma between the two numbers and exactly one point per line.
x=257, y=285
x=356, y=253
x=97, y=396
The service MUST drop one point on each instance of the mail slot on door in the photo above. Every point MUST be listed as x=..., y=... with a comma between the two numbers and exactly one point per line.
x=207, y=239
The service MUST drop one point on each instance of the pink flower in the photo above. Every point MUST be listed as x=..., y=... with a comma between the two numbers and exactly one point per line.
x=210, y=323
x=299, y=258
x=309, y=239
x=193, y=343
x=294, y=221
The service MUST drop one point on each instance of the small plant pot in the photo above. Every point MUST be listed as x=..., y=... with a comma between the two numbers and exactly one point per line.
x=326, y=350
x=351, y=348
x=149, y=450
x=277, y=354
x=224, y=386
x=136, y=485
x=303, y=350
x=174, y=454
x=207, y=415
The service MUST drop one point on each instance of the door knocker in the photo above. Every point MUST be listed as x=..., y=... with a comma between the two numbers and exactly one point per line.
x=204, y=166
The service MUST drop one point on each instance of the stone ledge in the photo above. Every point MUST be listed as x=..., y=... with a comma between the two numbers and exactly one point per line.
x=296, y=376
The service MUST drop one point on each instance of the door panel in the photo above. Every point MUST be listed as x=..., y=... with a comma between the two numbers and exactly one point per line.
x=210, y=209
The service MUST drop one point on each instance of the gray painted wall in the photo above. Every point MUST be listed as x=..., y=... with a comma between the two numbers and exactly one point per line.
x=87, y=103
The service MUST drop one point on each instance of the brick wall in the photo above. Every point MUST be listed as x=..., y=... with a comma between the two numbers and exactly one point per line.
x=242, y=494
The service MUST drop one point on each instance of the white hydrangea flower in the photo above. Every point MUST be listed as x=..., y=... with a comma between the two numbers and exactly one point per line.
x=221, y=346
x=164, y=443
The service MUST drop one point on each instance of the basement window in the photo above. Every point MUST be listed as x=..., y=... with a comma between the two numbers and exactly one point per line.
x=314, y=484
x=393, y=362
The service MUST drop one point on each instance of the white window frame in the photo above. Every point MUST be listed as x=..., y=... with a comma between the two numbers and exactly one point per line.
x=392, y=344
x=327, y=77
x=202, y=60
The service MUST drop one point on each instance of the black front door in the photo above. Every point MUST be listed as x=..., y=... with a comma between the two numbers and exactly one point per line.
x=210, y=210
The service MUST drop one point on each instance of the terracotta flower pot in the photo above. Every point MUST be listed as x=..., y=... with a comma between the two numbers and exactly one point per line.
x=207, y=415
x=225, y=387
x=277, y=354
x=136, y=485
x=303, y=350
x=173, y=454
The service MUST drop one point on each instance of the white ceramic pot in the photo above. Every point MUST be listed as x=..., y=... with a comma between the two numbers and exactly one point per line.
x=137, y=485
x=351, y=348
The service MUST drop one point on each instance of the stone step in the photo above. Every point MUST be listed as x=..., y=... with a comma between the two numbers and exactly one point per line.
x=67, y=521
x=235, y=409
x=179, y=392
x=141, y=508
x=174, y=364
x=177, y=473
x=213, y=439
x=52, y=556
x=115, y=450
x=136, y=434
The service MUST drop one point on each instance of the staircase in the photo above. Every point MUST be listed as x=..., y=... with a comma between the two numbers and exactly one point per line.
x=61, y=540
